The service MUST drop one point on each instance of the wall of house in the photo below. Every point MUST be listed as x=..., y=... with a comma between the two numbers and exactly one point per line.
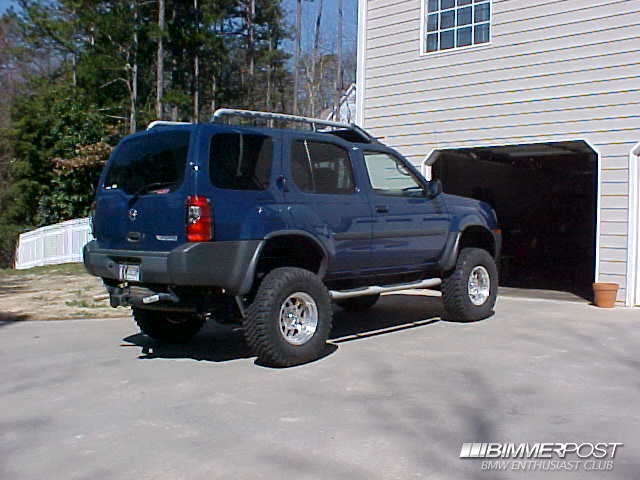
x=554, y=70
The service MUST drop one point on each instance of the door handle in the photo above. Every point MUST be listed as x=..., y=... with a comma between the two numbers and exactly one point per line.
x=134, y=236
x=382, y=209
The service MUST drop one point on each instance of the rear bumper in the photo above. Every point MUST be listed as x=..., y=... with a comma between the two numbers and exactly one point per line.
x=228, y=265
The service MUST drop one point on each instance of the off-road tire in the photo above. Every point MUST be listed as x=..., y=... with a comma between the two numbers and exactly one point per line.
x=455, y=294
x=358, y=304
x=170, y=327
x=262, y=321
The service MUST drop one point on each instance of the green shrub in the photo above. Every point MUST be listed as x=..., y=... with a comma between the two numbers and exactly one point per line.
x=8, y=243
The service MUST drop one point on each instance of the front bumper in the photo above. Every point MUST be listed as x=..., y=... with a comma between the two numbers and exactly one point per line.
x=227, y=265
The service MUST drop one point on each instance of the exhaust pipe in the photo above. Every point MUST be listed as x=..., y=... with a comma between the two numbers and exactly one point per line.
x=376, y=290
x=138, y=296
x=165, y=297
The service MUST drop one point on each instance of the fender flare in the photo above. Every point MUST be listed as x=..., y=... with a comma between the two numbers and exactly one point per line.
x=450, y=253
x=247, y=283
x=452, y=249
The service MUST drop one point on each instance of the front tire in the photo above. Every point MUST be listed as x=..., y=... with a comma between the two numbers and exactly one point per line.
x=168, y=327
x=290, y=318
x=469, y=291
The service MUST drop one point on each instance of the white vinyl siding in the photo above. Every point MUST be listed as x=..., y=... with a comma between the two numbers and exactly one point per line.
x=555, y=70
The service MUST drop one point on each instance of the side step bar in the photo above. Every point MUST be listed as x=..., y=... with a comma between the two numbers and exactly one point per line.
x=375, y=290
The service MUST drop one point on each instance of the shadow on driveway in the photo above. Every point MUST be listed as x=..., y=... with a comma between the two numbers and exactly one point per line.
x=221, y=343
x=9, y=318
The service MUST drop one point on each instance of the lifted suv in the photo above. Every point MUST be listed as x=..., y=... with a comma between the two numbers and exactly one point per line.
x=267, y=226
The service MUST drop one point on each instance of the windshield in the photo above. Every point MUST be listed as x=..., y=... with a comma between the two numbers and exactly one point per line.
x=156, y=159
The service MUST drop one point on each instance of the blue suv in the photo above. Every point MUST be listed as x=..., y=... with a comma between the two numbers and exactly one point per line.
x=267, y=226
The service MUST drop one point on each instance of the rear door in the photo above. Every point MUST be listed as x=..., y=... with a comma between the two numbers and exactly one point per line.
x=241, y=170
x=410, y=229
x=141, y=199
x=326, y=200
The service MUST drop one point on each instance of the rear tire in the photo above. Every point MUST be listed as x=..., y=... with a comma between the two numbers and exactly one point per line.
x=171, y=327
x=290, y=318
x=358, y=304
x=469, y=291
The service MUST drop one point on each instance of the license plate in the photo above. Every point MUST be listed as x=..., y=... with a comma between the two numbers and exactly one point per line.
x=129, y=273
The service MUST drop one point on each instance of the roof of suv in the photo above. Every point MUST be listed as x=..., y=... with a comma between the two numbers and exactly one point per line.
x=348, y=132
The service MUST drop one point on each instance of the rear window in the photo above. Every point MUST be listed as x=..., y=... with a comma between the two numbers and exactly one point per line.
x=152, y=160
x=240, y=161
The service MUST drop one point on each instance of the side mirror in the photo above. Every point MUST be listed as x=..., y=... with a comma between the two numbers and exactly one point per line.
x=434, y=188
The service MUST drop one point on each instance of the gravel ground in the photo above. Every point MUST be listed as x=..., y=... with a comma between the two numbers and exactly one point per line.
x=53, y=293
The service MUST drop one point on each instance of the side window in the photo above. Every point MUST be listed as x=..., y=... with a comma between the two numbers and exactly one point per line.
x=240, y=162
x=321, y=168
x=389, y=176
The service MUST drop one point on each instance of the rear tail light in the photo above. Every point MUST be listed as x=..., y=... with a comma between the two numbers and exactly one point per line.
x=199, y=221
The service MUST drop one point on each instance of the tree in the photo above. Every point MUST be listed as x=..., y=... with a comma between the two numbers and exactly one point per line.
x=50, y=124
x=120, y=48
x=8, y=84
x=160, y=60
x=339, y=74
x=296, y=56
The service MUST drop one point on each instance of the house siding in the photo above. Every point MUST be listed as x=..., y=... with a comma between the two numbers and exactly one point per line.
x=554, y=70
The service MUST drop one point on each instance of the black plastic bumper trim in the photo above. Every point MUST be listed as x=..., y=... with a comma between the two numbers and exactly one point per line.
x=228, y=265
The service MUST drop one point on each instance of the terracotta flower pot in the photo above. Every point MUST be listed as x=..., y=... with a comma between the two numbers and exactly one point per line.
x=604, y=294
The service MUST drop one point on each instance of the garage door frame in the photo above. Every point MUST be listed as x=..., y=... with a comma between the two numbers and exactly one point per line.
x=633, y=247
x=433, y=155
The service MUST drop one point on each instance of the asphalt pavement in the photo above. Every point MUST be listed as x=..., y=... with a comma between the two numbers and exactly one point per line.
x=395, y=398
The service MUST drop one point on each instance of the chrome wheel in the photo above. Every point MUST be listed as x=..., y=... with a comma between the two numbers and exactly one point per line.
x=479, y=285
x=298, y=318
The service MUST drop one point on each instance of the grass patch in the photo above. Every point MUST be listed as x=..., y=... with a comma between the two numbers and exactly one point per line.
x=83, y=304
x=85, y=314
x=54, y=292
x=62, y=269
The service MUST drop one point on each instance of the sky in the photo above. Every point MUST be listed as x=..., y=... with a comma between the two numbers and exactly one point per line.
x=310, y=10
x=4, y=4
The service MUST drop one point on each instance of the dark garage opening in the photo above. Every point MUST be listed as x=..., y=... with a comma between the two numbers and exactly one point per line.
x=545, y=199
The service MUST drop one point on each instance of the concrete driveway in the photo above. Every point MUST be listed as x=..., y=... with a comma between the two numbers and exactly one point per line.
x=396, y=398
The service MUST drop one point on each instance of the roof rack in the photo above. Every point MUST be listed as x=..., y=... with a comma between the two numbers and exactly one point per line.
x=314, y=122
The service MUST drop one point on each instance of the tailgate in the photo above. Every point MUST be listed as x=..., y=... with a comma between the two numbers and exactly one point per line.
x=141, y=198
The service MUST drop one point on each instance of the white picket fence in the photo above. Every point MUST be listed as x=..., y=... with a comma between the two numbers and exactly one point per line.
x=53, y=244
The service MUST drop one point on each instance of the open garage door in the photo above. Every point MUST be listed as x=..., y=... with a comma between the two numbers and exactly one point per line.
x=545, y=198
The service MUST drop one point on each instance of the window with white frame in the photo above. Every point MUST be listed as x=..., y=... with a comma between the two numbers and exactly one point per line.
x=456, y=23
